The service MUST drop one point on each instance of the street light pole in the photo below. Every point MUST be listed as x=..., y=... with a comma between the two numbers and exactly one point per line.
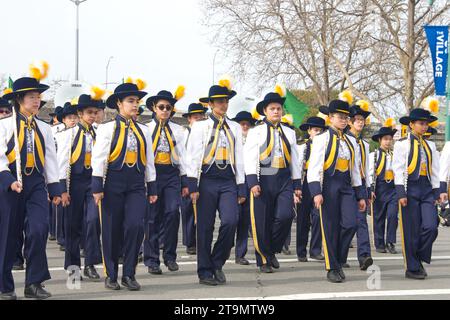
x=77, y=40
x=214, y=67
x=107, y=68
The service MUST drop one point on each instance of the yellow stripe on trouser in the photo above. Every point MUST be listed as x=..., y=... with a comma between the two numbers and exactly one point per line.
x=373, y=222
x=402, y=235
x=255, y=236
x=100, y=213
x=324, y=241
x=194, y=206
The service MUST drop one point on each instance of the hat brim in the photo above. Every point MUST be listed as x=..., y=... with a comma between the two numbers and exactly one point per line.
x=407, y=119
x=231, y=95
x=111, y=102
x=251, y=120
x=12, y=95
x=185, y=115
x=324, y=110
x=377, y=137
x=151, y=101
x=261, y=105
x=306, y=126
x=363, y=113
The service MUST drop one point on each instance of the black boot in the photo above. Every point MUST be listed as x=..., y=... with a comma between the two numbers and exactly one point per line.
x=365, y=263
x=391, y=248
x=8, y=296
x=111, y=285
x=274, y=262
x=266, y=268
x=220, y=277
x=91, y=273
x=131, y=284
x=334, y=277
x=36, y=291
x=242, y=261
x=172, y=266
x=154, y=270
x=416, y=275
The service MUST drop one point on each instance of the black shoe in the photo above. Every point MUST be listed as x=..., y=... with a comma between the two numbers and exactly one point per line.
x=345, y=266
x=381, y=250
x=140, y=258
x=365, y=263
x=8, y=296
x=91, y=273
x=155, y=270
x=220, y=277
x=391, y=248
x=36, y=291
x=51, y=238
x=318, y=258
x=266, y=268
x=302, y=259
x=242, y=261
x=416, y=275
x=286, y=251
x=274, y=262
x=341, y=274
x=62, y=249
x=208, y=282
x=111, y=285
x=334, y=277
x=422, y=270
x=172, y=266
x=191, y=251
x=18, y=267
x=131, y=284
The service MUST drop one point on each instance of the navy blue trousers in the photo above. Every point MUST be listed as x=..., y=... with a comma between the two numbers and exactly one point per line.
x=27, y=213
x=188, y=223
x=122, y=216
x=308, y=218
x=52, y=222
x=60, y=213
x=221, y=195
x=338, y=218
x=418, y=224
x=242, y=229
x=271, y=215
x=165, y=214
x=81, y=203
x=385, y=212
x=362, y=236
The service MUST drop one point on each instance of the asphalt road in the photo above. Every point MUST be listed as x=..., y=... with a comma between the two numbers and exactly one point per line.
x=294, y=280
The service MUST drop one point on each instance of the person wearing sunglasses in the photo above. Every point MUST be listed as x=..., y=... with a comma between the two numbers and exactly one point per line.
x=163, y=218
x=5, y=108
x=215, y=172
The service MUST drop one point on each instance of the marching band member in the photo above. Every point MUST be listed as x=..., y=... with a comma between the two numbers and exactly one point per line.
x=246, y=121
x=416, y=175
x=307, y=215
x=385, y=200
x=359, y=116
x=28, y=173
x=5, y=108
x=168, y=147
x=68, y=116
x=122, y=163
x=444, y=173
x=75, y=173
x=215, y=171
x=196, y=112
x=273, y=172
x=335, y=184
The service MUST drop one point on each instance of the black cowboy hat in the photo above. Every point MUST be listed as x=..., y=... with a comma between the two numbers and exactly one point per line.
x=218, y=92
x=384, y=131
x=24, y=85
x=268, y=99
x=195, y=108
x=85, y=101
x=336, y=106
x=67, y=110
x=244, y=116
x=122, y=91
x=5, y=104
x=418, y=114
x=431, y=131
x=141, y=110
x=56, y=112
x=313, y=122
x=162, y=95
x=357, y=110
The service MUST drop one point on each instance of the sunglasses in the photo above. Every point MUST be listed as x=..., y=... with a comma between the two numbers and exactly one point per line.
x=5, y=112
x=166, y=107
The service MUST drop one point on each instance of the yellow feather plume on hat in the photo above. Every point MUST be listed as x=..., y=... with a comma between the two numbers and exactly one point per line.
x=255, y=114
x=281, y=90
x=288, y=118
x=141, y=84
x=225, y=81
x=346, y=96
x=74, y=101
x=39, y=70
x=128, y=80
x=179, y=93
x=324, y=117
x=389, y=123
x=363, y=104
x=431, y=104
x=7, y=90
x=434, y=124
x=368, y=121
x=97, y=93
